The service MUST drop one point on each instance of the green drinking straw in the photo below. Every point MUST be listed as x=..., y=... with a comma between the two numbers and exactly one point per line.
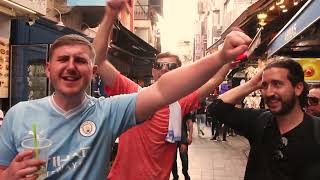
x=36, y=147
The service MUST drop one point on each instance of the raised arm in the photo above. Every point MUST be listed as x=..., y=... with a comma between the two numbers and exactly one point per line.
x=182, y=81
x=214, y=82
x=233, y=96
x=101, y=41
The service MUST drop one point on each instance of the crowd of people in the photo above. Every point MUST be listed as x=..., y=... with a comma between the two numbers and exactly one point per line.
x=154, y=123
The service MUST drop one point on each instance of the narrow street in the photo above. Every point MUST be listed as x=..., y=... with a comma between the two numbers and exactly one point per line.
x=212, y=160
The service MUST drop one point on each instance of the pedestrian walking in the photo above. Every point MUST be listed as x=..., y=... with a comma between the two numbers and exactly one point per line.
x=187, y=131
x=201, y=118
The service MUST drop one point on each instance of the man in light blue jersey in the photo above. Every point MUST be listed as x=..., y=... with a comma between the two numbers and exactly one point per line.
x=83, y=128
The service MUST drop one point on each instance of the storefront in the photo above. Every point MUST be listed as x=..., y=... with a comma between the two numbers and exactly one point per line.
x=131, y=55
x=9, y=10
x=305, y=19
x=300, y=40
x=137, y=54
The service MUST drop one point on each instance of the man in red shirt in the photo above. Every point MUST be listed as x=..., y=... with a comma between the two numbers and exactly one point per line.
x=143, y=152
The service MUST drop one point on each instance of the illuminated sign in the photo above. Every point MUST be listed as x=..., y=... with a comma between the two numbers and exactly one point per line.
x=305, y=17
x=291, y=32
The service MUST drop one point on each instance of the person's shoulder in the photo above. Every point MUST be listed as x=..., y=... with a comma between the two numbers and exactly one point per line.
x=310, y=117
x=113, y=99
x=315, y=123
x=24, y=104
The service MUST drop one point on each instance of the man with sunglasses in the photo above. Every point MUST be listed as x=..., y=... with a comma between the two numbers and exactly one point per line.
x=143, y=152
x=284, y=141
x=314, y=100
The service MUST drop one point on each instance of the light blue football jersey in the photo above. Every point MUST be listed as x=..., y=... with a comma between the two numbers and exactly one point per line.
x=82, y=137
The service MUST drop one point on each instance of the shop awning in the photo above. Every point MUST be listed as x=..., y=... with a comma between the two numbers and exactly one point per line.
x=132, y=51
x=244, y=18
x=132, y=44
x=305, y=17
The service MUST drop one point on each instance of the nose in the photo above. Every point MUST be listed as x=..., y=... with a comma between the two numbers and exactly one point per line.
x=71, y=63
x=268, y=91
x=165, y=68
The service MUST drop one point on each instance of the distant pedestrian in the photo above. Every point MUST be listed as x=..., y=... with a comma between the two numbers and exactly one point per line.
x=186, y=140
x=220, y=126
x=201, y=117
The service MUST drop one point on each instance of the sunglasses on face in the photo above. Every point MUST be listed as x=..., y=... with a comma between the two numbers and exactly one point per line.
x=313, y=101
x=160, y=65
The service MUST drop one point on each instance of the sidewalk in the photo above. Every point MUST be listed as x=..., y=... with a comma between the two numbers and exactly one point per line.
x=210, y=160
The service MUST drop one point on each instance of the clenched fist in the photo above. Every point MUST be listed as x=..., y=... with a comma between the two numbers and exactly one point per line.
x=236, y=43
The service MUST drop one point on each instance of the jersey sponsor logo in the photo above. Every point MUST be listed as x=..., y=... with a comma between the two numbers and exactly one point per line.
x=87, y=128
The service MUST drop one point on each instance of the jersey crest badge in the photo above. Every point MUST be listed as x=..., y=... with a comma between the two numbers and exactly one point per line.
x=87, y=128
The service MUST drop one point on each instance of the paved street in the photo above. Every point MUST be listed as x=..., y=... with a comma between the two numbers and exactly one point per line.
x=209, y=160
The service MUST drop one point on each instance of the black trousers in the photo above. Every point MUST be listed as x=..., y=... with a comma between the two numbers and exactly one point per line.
x=184, y=162
x=214, y=126
x=218, y=129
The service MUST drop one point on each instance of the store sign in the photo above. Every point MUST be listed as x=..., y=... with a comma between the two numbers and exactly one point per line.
x=4, y=67
x=39, y=6
x=305, y=17
x=311, y=68
x=86, y=2
x=291, y=33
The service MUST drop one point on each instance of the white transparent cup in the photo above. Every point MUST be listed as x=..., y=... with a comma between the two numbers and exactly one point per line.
x=43, y=149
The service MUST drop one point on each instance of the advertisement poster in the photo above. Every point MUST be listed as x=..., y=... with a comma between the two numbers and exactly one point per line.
x=311, y=68
x=86, y=2
x=4, y=67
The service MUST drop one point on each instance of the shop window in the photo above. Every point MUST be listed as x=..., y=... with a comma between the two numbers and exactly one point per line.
x=28, y=79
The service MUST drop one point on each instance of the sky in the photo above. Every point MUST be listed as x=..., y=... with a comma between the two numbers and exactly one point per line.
x=177, y=23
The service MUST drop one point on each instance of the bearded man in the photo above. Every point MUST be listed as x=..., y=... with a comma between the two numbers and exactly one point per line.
x=284, y=141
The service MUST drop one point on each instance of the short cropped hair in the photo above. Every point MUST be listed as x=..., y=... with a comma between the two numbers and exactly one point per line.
x=168, y=54
x=72, y=39
x=295, y=75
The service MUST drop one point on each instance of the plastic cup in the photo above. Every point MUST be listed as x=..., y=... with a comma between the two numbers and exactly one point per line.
x=43, y=148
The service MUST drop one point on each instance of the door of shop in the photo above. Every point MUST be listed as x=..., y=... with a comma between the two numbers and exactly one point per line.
x=28, y=78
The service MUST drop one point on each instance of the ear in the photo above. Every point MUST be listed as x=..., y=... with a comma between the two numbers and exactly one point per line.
x=299, y=88
x=94, y=71
x=48, y=70
x=153, y=72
